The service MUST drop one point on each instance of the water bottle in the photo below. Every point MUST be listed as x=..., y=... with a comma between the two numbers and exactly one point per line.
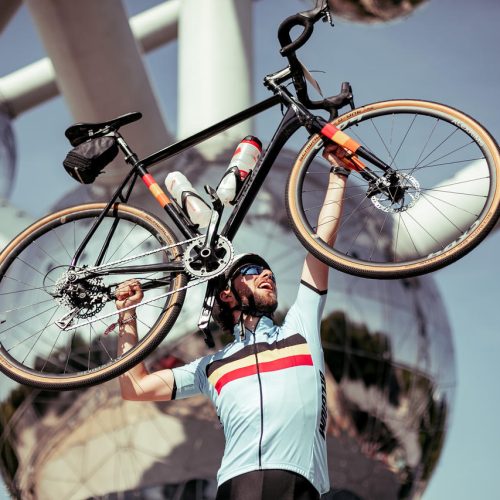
x=188, y=198
x=244, y=159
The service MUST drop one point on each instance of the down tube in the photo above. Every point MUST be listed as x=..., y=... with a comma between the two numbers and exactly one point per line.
x=288, y=126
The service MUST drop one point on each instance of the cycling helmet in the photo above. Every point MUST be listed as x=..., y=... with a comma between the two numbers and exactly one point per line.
x=221, y=313
x=239, y=261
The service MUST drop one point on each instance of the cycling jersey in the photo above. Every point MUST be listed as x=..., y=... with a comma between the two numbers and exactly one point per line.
x=269, y=391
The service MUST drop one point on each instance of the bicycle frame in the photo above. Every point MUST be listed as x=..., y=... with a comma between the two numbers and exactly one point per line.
x=296, y=116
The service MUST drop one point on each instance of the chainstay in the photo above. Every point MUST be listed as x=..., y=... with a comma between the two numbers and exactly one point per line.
x=143, y=303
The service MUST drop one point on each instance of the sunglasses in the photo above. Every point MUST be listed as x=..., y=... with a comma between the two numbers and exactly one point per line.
x=252, y=270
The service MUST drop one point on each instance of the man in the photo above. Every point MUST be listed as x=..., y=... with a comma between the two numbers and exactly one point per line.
x=268, y=385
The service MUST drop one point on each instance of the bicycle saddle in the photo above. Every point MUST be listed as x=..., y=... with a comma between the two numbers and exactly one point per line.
x=80, y=132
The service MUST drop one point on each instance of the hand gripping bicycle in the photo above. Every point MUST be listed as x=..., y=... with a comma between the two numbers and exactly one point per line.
x=424, y=190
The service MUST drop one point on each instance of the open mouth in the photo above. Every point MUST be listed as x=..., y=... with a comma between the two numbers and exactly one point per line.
x=266, y=286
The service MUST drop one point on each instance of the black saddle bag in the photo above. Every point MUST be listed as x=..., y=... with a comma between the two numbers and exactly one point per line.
x=86, y=161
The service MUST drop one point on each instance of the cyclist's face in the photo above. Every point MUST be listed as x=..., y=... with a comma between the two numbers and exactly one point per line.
x=253, y=280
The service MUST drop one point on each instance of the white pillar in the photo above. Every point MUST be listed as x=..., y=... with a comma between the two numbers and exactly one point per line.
x=99, y=69
x=215, y=63
x=36, y=83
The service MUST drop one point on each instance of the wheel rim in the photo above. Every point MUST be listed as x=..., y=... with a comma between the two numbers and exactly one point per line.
x=429, y=146
x=31, y=342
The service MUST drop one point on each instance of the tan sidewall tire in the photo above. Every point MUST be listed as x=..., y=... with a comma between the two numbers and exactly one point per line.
x=473, y=238
x=132, y=357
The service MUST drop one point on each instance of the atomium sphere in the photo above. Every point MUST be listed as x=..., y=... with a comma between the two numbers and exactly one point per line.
x=374, y=11
x=390, y=387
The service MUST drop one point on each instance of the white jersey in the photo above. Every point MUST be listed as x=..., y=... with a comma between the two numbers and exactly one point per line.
x=269, y=391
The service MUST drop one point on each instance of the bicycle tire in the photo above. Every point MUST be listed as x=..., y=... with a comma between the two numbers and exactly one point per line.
x=32, y=267
x=435, y=205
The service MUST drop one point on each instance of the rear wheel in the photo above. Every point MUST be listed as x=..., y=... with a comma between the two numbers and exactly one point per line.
x=449, y=168
x=37, y=290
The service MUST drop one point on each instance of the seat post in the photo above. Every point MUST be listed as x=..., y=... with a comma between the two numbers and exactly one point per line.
x=130, y=157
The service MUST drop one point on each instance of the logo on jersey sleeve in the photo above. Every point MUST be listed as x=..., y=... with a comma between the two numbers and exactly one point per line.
x=287, y=353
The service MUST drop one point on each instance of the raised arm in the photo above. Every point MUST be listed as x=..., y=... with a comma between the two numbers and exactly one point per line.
x=315, y=273
x=138, y=384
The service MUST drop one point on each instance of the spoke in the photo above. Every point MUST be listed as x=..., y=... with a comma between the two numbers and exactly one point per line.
x=434, y=165
x=379, y=233
x=50, y=256
x=456, y=183
x=382, y=140
x=28, y=319
x=409, y=234
x=33, y=287
x=467, y=160
x=437, y=147
x=23, y=291
x=28, y=305
x=90, y=345
x=31, y=336
x=353, y=197
x=34, y=269
x=443, y=214
x=441, y=157
x=69, y=351
x=123, y=241
x=102, y=344
x=53, y=345
x=422, y=227
x=41, y=333
x=434, y=190
x=428, y=195
x=428, y=140
x=56, y=233
x=395, y=251
x=403, y=140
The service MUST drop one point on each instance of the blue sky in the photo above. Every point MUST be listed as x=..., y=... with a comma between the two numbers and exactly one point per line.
x=446, y=51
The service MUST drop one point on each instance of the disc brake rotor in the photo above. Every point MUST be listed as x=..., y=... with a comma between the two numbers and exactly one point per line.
x=411, y=195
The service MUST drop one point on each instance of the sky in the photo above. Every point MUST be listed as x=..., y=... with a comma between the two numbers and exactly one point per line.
x=447, y=51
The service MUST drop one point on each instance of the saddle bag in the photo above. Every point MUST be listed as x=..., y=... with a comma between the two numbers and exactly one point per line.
x=86, y=161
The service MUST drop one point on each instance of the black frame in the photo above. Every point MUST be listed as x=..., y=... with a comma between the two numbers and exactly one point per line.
x=293, y=119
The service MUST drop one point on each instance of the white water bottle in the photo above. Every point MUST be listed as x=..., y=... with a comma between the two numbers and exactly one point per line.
x=244, y=159
x=188, y=198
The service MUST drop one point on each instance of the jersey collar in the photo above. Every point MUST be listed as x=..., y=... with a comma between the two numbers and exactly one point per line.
x=264, y=327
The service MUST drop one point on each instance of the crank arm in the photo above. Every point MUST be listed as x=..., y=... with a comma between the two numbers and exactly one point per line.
x=213, y=228
x=206, y=314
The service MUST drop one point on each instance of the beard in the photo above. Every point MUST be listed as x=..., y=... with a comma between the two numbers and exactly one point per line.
x=262, y=302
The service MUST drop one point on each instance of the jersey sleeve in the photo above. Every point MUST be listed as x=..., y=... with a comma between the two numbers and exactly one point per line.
x=190, y=379
x=305, y=315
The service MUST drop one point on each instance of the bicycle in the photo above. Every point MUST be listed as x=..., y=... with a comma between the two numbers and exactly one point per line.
x=407, y=158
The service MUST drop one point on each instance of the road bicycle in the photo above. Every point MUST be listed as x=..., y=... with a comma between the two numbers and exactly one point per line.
x=423, y=192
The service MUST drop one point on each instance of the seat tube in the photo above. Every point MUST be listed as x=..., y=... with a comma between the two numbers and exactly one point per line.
x=165, y=202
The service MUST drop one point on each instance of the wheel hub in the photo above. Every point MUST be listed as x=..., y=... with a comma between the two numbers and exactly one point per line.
x=396, y=193
x=88, y=295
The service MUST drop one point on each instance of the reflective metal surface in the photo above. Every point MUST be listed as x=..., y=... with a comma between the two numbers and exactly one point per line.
x=374, y=11
x=390, y=387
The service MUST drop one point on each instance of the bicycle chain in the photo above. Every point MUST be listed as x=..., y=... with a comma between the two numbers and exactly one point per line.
x=143, y=303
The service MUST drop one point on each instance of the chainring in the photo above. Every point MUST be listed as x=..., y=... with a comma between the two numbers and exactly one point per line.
x=209, y=266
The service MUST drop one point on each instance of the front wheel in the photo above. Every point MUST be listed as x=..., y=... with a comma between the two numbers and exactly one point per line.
x=448, y=167
x=38, y=289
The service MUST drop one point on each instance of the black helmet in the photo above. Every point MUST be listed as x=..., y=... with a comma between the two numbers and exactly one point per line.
x=239, y=261
x=220, y=313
